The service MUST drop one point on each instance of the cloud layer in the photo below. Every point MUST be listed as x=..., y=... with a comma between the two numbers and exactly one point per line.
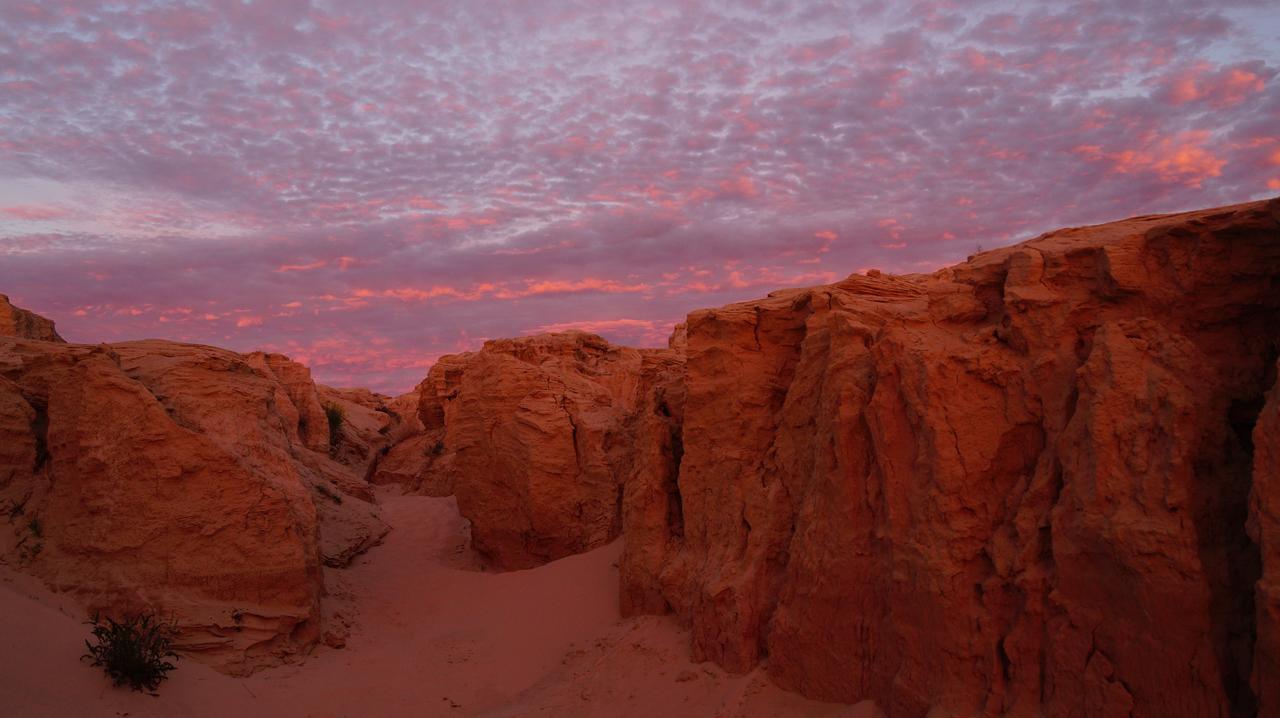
x=368, y=186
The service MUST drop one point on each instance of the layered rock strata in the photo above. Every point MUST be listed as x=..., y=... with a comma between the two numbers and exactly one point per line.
x=526, y=434
x=181, y=479
x=1016, y=486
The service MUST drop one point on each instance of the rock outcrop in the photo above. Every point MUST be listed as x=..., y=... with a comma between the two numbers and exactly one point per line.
x=407, y=458
x=364, y=432
x=652, y=509
x=525, y=432
x=15, y=322
x=311, y=423
x=181, y=479
x=1016, y=486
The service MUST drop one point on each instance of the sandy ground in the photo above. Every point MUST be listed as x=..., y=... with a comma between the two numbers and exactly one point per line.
x=430, y=636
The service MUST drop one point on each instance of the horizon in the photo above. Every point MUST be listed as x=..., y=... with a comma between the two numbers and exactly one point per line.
x=368, y=192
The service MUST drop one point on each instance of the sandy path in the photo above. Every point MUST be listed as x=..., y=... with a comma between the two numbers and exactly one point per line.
x=430, y=637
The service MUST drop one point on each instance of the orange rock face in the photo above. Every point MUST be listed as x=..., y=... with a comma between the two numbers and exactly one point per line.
x=652, y=509
x=312, y=426
x=1017, y=486
x=526, y=433
x=15, y=322
x=178, y=478
x=367, y=423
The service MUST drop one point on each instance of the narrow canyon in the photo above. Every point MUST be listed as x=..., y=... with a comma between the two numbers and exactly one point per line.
x=1045, y=481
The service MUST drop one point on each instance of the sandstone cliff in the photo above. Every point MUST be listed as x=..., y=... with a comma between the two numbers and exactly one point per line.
x=184, y=479
x=525, y=433
x=1016, y=486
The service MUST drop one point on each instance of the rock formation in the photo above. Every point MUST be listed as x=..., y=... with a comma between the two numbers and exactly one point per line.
x=365, y=432
x=182, y=479
x=304, y=399
x=526, y=433
x=1045, y=481
x=1016, y=486
x=15, y=322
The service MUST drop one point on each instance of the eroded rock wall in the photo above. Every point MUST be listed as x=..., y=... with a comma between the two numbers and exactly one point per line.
x=176, y=478
x=525, y=432
x=1017, y=486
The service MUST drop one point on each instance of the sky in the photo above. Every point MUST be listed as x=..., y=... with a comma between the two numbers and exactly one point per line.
x=367, y=186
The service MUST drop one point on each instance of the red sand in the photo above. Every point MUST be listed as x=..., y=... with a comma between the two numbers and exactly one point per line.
x=430, y=636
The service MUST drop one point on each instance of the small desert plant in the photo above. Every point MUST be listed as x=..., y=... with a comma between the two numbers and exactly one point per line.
x=37, y=528
x=134, y=651
x=336, y=415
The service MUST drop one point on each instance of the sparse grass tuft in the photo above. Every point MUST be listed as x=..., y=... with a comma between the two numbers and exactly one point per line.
x=336, y=416
x=133, y=651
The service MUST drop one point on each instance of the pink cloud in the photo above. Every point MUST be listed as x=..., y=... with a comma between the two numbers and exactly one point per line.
x=1181, y=158
x=568, y=178
x=1220, y=87
x=301, y=267
x=36, y=212
x=505, y=290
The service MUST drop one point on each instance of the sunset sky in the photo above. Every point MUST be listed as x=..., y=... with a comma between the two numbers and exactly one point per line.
x=368, y=185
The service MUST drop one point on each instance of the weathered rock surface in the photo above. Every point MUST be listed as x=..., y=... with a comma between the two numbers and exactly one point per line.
x=16, y=322
x=525, y=433
x=1017, y=486
x=367, y=422
x=1014, y=487
x=178, y=478
x=652, y=518
x=408, y=457
x=312, y=426
x=1264, y=524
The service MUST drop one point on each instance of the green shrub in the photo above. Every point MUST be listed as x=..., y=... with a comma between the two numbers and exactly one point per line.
x=133, y=651
x=336, y=415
